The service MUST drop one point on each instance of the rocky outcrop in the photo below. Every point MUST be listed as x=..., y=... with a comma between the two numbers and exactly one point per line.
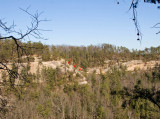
x=38, y=65
x=130, y=66
x=64, y=67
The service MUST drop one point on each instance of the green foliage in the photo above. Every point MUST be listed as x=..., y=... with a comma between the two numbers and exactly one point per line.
x=71, y=100
x=46, y=54
x=44, y=110
x=115, y=86
x=34, y=95
x=105, y=89
x=60, y=96
x=70, y=88
x=26, y=77
x=143, y=108
x=14, y=74
x=50, y=76
x=90, y=56
x=93, y=79
x=100, y=112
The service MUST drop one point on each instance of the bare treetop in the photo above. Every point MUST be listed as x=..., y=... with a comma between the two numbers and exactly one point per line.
x=33, y=31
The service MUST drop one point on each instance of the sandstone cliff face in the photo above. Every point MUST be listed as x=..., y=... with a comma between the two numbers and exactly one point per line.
x=64, y=67
x=130, y=66
x=38, y=65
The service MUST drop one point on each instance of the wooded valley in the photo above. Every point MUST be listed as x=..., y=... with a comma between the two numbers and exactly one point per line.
x=116, y=93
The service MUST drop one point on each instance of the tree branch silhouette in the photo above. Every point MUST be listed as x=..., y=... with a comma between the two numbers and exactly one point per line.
x=17, y=36
x=10, y=33
x=133, y=6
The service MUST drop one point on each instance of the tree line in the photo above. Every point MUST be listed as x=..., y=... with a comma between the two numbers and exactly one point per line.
x=89, y=56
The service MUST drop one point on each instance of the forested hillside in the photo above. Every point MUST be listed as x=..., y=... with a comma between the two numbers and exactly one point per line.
x=89, y=56
x=114, y=94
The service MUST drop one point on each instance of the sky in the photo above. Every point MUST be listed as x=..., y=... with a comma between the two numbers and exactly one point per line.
x=86, y=22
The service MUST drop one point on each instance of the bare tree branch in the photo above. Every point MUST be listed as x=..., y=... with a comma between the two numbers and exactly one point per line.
x=133, y=6
x=33, y=31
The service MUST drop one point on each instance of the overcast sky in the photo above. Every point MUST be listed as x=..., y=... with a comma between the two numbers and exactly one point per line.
x=85, y=22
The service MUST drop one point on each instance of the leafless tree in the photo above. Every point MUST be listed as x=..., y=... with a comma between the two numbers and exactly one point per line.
x=133, y=7
x=17, y=36
x=33, y=31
